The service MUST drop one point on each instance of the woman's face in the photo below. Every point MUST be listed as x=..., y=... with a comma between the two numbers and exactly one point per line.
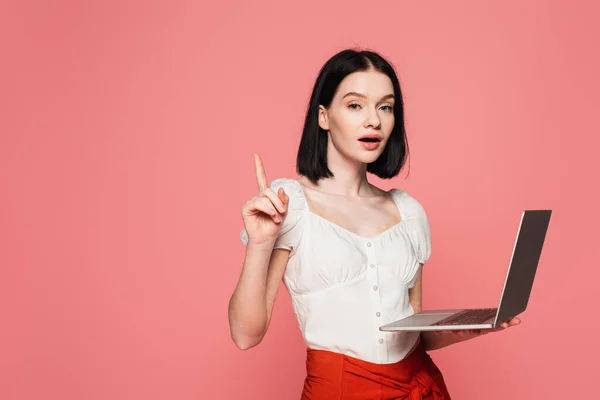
x=360, y=118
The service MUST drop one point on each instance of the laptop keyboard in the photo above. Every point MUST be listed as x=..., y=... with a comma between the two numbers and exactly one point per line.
x=469, y=317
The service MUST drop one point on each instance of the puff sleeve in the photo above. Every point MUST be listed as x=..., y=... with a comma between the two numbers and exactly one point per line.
x=291, y=230
x=418, y=227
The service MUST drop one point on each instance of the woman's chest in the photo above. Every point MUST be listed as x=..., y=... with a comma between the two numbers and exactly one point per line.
x=366, y=218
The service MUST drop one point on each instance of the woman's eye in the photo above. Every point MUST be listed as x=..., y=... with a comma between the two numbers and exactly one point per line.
x=355, y=106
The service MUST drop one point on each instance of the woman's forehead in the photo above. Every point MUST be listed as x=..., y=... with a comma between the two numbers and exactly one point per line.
x=371, y=84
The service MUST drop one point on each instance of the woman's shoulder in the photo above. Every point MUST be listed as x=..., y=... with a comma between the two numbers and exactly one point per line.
x=293, y=189
x=284, y=181
x=413, y=213
x=291, y=186
x=408, y=204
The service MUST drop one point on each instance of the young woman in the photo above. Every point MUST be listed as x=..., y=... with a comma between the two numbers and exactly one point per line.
x=350, y=254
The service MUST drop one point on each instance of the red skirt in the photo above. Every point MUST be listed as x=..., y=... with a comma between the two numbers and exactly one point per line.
x=334, y=376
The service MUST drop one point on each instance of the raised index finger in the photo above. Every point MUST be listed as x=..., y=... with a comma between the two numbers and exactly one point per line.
x=261, y=178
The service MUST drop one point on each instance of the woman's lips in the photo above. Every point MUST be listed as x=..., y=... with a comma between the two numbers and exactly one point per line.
x=370, y=145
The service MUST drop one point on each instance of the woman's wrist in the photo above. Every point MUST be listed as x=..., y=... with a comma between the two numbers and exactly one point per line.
x=262, y=247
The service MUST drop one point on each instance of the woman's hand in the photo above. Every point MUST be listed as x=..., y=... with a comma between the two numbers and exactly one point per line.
x=466, y=334
x=264, y=213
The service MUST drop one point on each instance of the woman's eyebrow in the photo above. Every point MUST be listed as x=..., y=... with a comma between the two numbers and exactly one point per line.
x=387, y=96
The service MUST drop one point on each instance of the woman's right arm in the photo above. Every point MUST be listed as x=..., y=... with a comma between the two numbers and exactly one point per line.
x=251, y=304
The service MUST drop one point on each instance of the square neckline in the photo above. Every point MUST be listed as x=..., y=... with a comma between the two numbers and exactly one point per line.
x=361, y=237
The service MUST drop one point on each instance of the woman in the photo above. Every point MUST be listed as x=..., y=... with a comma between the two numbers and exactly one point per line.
x=350, y=254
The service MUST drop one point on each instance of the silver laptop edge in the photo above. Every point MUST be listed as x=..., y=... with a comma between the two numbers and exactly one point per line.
x=514, y=304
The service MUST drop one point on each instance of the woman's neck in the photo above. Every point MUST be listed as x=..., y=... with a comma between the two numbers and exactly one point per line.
x=350, y=177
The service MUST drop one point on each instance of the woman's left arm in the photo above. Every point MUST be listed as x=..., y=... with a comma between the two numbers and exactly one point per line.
x=434, y=340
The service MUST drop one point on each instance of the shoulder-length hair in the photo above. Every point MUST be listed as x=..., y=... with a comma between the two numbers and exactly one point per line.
x=311, y=160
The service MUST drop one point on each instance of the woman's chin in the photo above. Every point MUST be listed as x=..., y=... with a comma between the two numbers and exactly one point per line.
x=367, y=157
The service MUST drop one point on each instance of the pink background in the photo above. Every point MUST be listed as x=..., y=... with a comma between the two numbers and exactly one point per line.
x=126, y=140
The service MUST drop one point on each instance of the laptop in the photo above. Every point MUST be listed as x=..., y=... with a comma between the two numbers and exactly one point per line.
x=515, y=294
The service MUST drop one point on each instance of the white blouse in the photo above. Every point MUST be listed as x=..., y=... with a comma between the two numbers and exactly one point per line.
x=345, y=286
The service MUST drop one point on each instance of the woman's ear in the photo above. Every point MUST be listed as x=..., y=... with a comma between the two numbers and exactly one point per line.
x=323, y=118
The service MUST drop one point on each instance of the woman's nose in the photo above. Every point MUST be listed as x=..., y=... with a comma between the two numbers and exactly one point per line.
x=372, y=118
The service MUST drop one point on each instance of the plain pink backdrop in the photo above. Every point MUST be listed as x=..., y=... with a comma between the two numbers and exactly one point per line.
x=126, y=138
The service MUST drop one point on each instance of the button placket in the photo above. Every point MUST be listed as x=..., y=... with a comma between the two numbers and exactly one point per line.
x=373, y=278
